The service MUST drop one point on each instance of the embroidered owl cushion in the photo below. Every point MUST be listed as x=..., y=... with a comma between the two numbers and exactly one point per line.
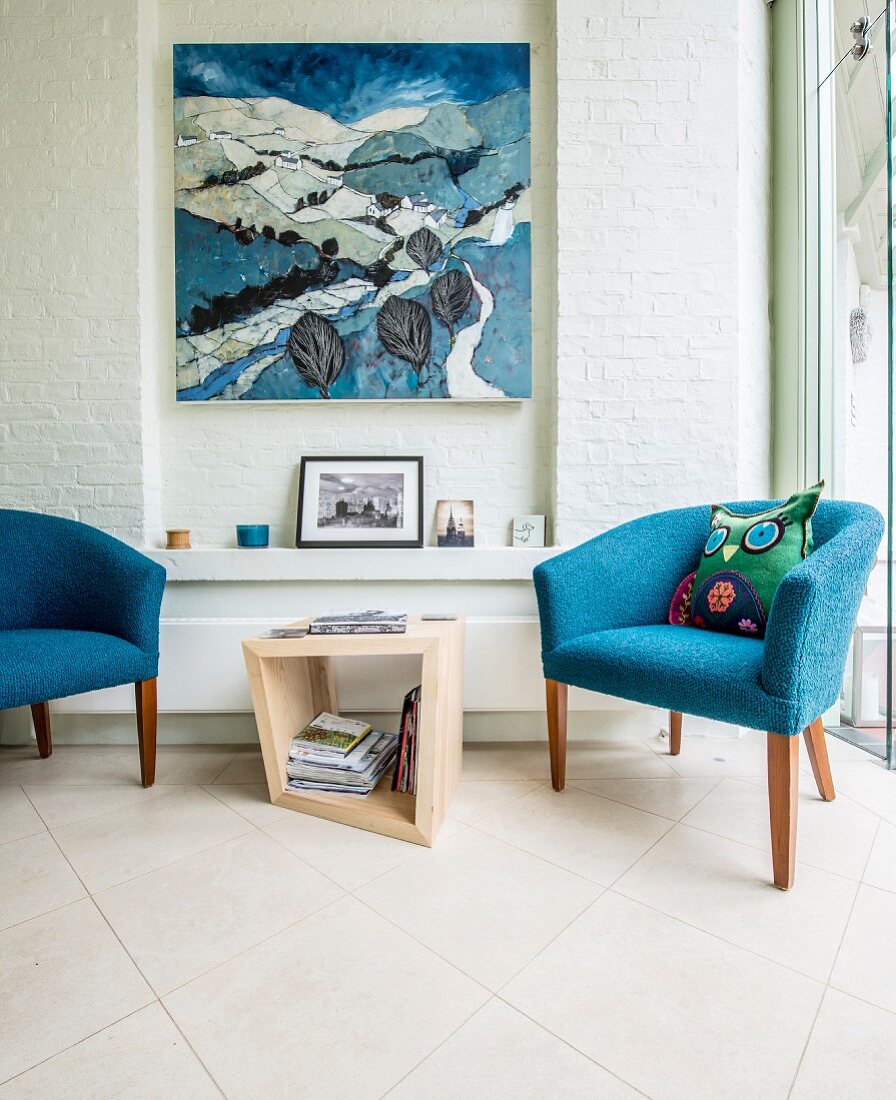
x=744, y=560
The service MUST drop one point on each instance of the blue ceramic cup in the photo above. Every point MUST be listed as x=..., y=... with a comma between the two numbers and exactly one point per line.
x=252, y=534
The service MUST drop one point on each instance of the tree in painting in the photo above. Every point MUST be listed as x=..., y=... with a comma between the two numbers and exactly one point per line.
x=424, y=247
x=317, y=351
x=451, y=295
x=345, y=236
x=405, y=330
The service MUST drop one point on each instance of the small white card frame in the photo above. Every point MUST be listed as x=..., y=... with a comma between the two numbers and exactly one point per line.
x=528, y=531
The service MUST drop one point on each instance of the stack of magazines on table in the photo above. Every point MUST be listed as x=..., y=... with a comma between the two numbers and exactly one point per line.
x=405, y=776
x=340, y=756
x=360, y=622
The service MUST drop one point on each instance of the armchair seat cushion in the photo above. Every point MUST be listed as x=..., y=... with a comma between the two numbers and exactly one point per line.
x=679, y=668
x=37, y=665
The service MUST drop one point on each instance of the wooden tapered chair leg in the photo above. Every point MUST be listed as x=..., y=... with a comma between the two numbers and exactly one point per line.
x=674, y=732
x=818, y=758
x=40, y=716
x=557, y=694
x=147, y=713
x=783, y=789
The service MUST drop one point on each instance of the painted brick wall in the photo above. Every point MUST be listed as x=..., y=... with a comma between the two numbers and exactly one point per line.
x=223, y=465
x=659, y=259
x=754, y=249
x=70, y=426
x=657, y=326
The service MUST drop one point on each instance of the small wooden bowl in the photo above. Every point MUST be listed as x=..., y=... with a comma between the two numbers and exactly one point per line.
x=178, y=538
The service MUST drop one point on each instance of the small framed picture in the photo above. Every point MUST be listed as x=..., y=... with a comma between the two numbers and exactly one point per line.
x=373, y=503
x=454, y=523
x=528, y=531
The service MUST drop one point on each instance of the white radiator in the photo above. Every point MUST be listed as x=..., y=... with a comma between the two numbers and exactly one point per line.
x=201, y=670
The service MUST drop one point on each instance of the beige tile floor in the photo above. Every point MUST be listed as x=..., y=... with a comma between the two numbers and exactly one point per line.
x=621, y=939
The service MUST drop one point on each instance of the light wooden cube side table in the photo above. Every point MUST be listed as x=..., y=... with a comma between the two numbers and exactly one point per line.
x=291, y=680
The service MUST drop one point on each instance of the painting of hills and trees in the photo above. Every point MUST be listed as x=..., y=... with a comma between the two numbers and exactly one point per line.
x=352, y=222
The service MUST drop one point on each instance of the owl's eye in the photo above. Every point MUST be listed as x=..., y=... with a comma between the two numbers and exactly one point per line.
x=716, y=540
x=763, y=536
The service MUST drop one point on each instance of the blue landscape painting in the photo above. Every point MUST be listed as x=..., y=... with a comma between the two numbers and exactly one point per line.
x=352, y=221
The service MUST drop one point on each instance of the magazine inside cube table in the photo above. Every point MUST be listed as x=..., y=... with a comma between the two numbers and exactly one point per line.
x=291, y=678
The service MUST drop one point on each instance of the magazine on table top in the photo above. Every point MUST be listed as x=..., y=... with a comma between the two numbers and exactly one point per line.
x=360, y=622
x=285, y=632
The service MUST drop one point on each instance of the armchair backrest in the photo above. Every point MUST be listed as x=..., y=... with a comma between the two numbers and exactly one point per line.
x=57, y=573
x=814, y=611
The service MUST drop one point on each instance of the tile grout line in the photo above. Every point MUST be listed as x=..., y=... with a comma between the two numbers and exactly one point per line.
x=102, y=813
x=651, y=779
x=572, y=1046
x=71, y=1046
x=632, y=866
x=99, y=750
x=721, y=939
x=828, y=986
x=753, y=847
x=156, y=998
x=853, y=906
x=805, y=1047
x=425, y=946
x=523, y=794
x=437, y=1047
x=672, y=823
x=765, y=848
x=218, y=775
x=862, y=1000
x=542, y=859
x=27, y=836
x=170, y=863
x=310, y=865
x=196, y=1055
x=246, y=950
x=604, y=890
x=714, y=935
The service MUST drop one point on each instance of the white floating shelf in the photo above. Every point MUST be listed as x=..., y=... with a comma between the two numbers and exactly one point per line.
x=501, y=563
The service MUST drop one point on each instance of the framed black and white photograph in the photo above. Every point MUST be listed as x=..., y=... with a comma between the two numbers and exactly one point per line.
x=366, y=502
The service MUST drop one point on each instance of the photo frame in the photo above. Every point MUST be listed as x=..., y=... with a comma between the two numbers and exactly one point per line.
x=365, y=502
x=455, y=524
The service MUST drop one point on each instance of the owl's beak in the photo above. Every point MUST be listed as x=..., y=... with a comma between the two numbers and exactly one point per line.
x=728, y=552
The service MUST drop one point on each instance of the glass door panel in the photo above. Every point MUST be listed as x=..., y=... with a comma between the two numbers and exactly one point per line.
x=854, y=370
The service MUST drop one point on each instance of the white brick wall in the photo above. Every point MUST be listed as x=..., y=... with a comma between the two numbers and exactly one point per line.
x=70, y=433
x=659, y=293
x=660, y=265
x=753, y=254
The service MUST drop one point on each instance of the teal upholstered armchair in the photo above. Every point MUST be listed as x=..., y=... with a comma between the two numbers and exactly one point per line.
x=79, y=611
x=604, y=626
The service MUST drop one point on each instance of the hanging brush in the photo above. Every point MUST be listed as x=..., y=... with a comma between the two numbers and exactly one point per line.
x=860, y=330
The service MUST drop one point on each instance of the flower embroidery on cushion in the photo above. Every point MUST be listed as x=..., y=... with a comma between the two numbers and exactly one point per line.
x=748, y=626
x=721, y=596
